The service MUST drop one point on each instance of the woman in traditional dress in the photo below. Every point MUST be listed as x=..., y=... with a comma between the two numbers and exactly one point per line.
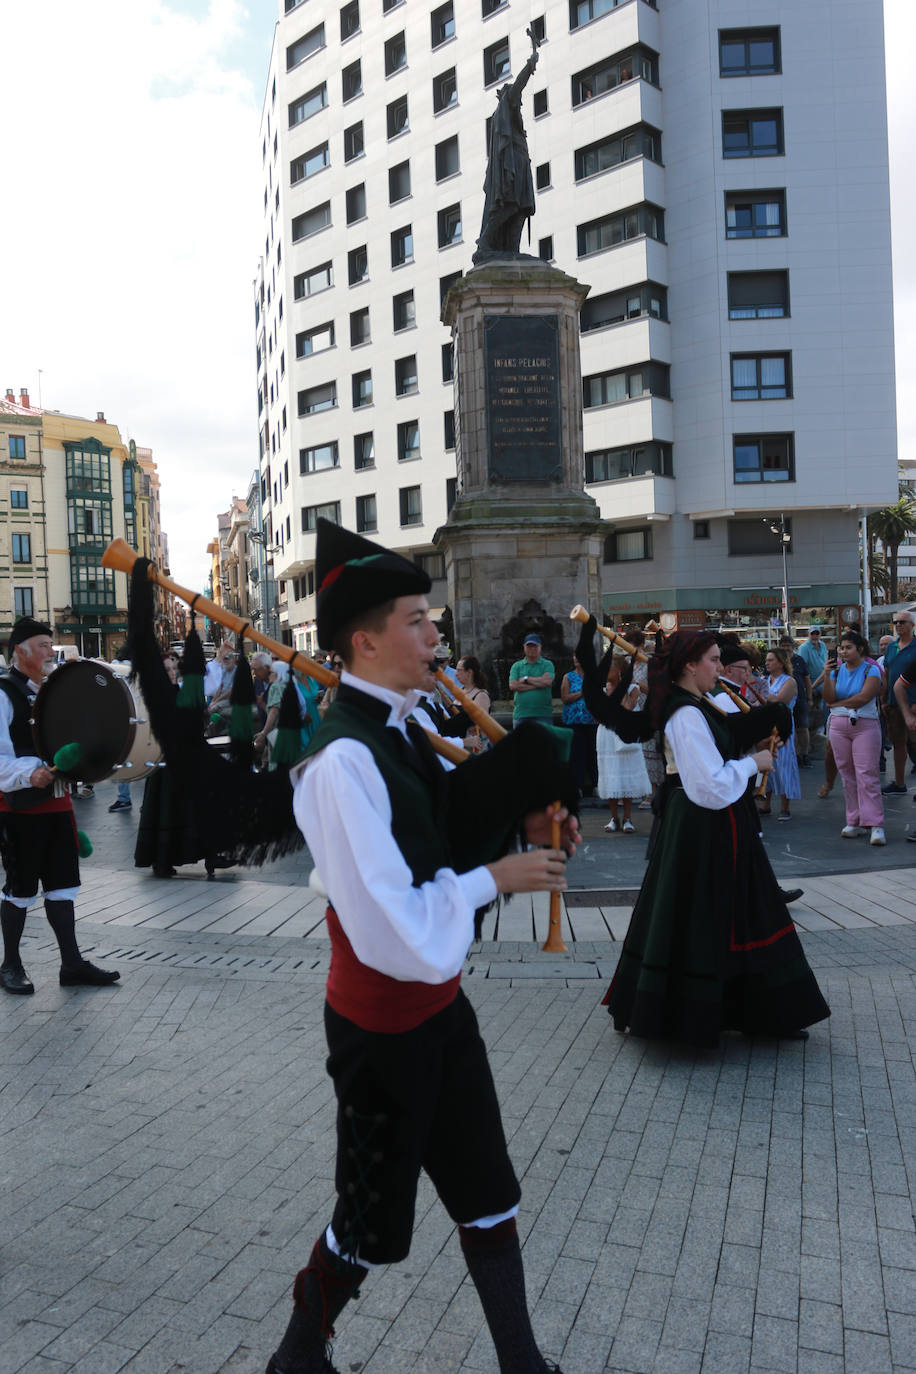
x=622, y=775
x=711, y=945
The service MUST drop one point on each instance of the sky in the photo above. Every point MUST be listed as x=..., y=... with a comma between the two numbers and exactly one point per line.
x=130, y=219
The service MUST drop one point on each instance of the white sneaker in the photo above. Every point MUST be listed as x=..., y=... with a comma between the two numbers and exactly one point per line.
x=852, y=832
x=611, y=827
x=877, y=835
x=628, y=827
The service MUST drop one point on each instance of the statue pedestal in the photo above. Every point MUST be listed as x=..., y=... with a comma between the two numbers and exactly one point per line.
x=523, y=542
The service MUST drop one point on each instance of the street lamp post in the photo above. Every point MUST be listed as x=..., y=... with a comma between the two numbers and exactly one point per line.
x=785, y=540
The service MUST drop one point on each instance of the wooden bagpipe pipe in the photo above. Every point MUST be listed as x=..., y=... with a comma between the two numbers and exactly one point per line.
x=120, y=557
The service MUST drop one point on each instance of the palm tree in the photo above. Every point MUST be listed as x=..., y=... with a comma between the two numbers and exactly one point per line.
x=892, y=525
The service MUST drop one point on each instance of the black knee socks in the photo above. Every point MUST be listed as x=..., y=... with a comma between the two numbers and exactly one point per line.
x=12, y=923
x=62, y=922
x=320, y=1293
x=494, y=1261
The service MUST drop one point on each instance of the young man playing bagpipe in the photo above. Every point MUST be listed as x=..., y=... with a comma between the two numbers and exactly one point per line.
x=407, y=853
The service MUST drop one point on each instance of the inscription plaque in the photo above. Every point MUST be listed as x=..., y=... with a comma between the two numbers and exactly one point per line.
x=522, y=368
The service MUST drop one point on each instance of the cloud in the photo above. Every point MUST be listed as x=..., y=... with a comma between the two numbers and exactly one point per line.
x=130, y=236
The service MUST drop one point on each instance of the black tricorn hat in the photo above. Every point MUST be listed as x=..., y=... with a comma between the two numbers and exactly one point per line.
x=734, y=653
x=27, y=628
x=353, y=575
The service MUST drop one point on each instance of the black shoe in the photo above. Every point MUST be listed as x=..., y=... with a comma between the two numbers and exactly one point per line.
x=15, y=980
x=163, y=872
x=120, y=806
x=325, y=1368
x=912, y=838
x=893, y=787
x=793, y=1035
x=792, y=895
x=87, y=975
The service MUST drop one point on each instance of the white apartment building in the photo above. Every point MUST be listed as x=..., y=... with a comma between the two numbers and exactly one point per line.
x=717, y=174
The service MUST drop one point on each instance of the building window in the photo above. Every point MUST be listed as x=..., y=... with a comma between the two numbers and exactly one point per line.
x=397, y=118
x=643, y=460
x=752, y=133
x=449, y=225
x=308, y=104
x=362, y=388
x=539, y=29
x=351, y=81
x=404, y=311
x=311, y=282
x=310, y=516
x=433, y=564
x=349, y=20
x=315, y=340
x=312, y=222
x=390, y=5
x=17, y=445
x=445, y=90
x=446, y=284
x=599, y=312
x=23, y=601
x=408, y=441
x=366, y=514
x=358, y=265
x=19, y=498
x=628, y=546
x=411, y=505
x=319, y=459
x=363, y=451
x=761, y=376
x=309, y=163
x=402, y=246
x=316, y=398
x=701, y=529
x=22, y=548
x=609, y=388
x=406, y=381
x=448, y=429
x=755, y=538
x=442, y=24
x=640, y=141
x=353, y=141
x=584, y=11
x=749, y=52
x=451, y=492
x=539, y=103
x=542, y=176
x=488, y=7
x=496, y=62
x=764, y=458
x=359, y=327
x=448, y=161
x=398, y=182
x=615, y=71
x=758, y=295
x=755, y=214
x=304, y=47
x=395, y=53
x=545, y=248
x=448, y=362
x=613, y=229
x=356, y=203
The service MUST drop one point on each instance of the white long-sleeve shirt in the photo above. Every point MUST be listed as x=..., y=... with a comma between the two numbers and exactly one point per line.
x=691, y=752
x=343, y=809
x=14, y=772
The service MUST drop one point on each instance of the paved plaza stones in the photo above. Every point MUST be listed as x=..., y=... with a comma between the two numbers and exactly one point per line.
x=166, y=1150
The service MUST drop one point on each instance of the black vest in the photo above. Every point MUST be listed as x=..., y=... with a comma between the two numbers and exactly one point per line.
x=15, y=686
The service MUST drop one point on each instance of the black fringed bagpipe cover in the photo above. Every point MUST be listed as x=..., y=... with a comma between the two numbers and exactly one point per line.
x=246, y=817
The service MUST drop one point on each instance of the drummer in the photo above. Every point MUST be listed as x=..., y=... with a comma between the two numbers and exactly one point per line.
x=37, y=827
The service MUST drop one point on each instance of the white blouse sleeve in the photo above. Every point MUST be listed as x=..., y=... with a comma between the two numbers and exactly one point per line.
x=410, y=933
x=707, y=779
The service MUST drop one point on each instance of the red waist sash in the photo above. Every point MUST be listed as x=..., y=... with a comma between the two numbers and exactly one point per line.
x=373, y=1000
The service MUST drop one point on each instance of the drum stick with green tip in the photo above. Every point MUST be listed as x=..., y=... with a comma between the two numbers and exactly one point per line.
x=83, y=844
x=68, y=757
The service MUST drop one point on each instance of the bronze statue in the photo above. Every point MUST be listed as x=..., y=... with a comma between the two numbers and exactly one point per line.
x=508, y=185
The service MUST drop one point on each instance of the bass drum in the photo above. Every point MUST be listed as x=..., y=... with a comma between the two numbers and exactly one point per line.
x=89, y=704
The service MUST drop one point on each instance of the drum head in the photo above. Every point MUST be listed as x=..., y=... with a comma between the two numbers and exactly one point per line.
x=87, y=704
